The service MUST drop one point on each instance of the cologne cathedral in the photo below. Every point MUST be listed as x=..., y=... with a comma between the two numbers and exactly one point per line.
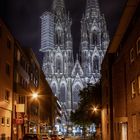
x=65, y=75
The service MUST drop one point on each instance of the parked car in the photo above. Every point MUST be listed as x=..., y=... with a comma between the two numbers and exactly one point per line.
x=61, y=137
x=32, y=137
x=45, y=137
x=54, y=137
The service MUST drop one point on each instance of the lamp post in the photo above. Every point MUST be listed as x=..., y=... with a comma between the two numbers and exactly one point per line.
x=34, y=112
x=95, y=110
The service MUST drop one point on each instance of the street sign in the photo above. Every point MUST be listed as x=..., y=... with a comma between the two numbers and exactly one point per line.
x=19, y=121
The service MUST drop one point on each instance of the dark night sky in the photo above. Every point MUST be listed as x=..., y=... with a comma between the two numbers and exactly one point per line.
x=23, y=18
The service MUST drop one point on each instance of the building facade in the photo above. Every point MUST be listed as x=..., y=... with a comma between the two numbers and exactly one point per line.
x=120, y=79
x=6, y=81
x=20, y=77
x=66, y=76
x=30, y=114
x=26, y=110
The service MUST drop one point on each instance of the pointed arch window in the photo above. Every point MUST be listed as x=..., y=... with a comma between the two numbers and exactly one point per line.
x=58, y=38
x=87, y=70
x=76, y=91
x=58, y=65
x=62, y=93
x=48, y=69
x=94, y=38
x=54, y=89
x=95, y=64
x=76, y=98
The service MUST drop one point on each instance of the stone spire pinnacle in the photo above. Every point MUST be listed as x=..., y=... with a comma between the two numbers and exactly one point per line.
x=58, y=4
x=92, y=4
x=92, y=8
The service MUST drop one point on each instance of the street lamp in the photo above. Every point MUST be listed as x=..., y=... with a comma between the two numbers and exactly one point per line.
x=33, y=108
x=94, y=109
x=35, y=95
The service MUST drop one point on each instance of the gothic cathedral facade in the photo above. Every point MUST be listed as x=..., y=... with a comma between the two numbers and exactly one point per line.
x=66, y=76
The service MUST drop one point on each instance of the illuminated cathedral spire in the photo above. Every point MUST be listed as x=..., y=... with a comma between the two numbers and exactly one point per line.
x=58, y=4
x=66, y=77
x=59, y=8
x=92, y=8
x=94, y=40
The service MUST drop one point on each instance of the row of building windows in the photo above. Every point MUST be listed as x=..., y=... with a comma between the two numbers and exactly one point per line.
x=135, y=84
x=31, y=70
x=4, y=121
x=132, y=51
x=24, y=82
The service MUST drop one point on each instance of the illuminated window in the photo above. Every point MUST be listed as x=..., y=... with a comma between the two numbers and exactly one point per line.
x=131, y=55
x=2, y=121
x=134, y=123
x=8, y=121
x=133, y=89
x=138, y=45
x=17, y=78
x=18, y=55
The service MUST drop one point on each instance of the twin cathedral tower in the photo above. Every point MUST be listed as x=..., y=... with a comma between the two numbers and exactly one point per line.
x=65, y=75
